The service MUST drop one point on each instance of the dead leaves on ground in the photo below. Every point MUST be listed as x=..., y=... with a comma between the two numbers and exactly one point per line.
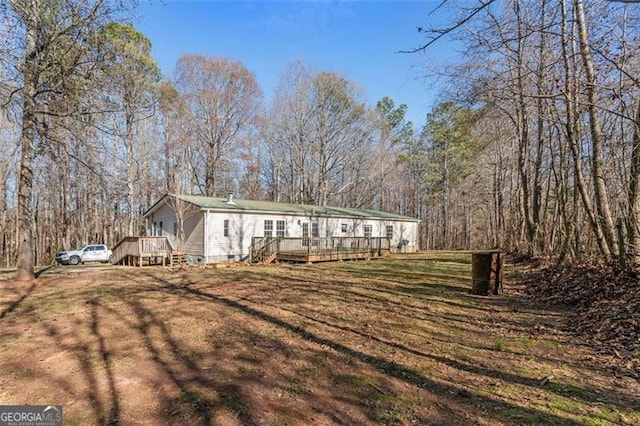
x=606, y=302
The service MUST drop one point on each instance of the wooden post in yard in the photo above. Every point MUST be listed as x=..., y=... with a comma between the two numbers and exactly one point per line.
x=499, y=271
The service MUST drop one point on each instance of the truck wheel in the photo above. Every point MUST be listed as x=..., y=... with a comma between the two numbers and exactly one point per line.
x=74, y=260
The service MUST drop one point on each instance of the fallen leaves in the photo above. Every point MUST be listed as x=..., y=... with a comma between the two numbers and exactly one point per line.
x=606, y=302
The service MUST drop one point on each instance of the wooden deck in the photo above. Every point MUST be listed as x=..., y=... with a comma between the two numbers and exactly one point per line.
x=134, y=251
x=314, y=249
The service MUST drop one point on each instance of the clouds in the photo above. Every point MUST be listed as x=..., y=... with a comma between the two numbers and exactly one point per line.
x=304, y=19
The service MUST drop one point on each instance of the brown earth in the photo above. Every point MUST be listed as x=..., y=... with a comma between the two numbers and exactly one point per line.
x=605, y=303
x=392, y=341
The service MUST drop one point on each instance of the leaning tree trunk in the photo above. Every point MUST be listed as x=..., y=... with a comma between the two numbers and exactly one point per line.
x=572, y=141
x=599, y=182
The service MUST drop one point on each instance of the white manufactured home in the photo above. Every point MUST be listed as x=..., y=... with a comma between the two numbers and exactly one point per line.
x=224, y=229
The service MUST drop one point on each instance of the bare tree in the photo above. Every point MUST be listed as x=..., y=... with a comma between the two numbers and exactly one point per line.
x=563, y=78
x=54, y=64
x=287, y=136
x=129, y=77
x=222, y=102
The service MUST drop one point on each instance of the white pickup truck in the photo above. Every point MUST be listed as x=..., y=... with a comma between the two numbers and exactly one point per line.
x=89, y=253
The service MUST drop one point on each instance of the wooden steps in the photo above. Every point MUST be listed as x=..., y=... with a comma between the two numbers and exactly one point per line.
x=270, y=259
x=178, y=259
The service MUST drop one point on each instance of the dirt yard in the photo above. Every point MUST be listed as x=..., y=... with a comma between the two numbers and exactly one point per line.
x=391, y=341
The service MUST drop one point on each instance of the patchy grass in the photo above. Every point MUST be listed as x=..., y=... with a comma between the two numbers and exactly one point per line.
x=392, y=341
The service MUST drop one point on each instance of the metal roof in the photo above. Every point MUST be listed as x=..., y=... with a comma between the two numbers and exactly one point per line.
x=250, y=206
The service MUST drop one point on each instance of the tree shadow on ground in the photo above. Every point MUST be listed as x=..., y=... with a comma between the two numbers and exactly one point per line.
x=587, y=394
x=387, y=367
x=199, y=388
x=19, y=298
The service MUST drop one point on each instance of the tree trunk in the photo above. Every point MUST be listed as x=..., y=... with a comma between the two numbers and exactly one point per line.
x=536, y=241
x=634, y=196
x=599, y=182
x=572, y=141
x=25, y=258
x=523, y=133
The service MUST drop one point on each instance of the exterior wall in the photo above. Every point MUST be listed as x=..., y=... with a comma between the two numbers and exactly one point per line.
x=402, y=230
x=160, y=223
x=217, y=247
x=243, y=226
x=194, y=234
x=193, y=229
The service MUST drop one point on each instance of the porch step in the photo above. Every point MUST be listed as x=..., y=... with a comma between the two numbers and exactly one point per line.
x=178, y=259
x=270, y=259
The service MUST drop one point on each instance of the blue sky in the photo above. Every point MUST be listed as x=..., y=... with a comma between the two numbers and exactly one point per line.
x=358, y=39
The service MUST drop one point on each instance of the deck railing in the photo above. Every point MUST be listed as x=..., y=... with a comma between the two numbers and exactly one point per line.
x=140, y=247
x=265, y=247
x=316, y=245
x=154, y=246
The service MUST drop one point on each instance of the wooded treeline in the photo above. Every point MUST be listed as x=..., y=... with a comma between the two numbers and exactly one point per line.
x=535, y=150
x=554, y=86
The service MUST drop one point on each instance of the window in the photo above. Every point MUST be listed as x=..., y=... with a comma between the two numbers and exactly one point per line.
x=389, y=231
x=175, y=229
x=305, y=234
x=226, y=227
x=344, y=228
x=367, y=231
x=268, y=228
x=160, y=230
x=231, y=257
x=314, y=229
x=154, y=229
x=280, y=228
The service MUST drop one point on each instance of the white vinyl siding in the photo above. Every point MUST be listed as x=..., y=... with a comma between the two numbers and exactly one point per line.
x=205, y=229
x=166, y=225
x=194, y=235
x=242, y=226
x=389, y=231
x=162, y=217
